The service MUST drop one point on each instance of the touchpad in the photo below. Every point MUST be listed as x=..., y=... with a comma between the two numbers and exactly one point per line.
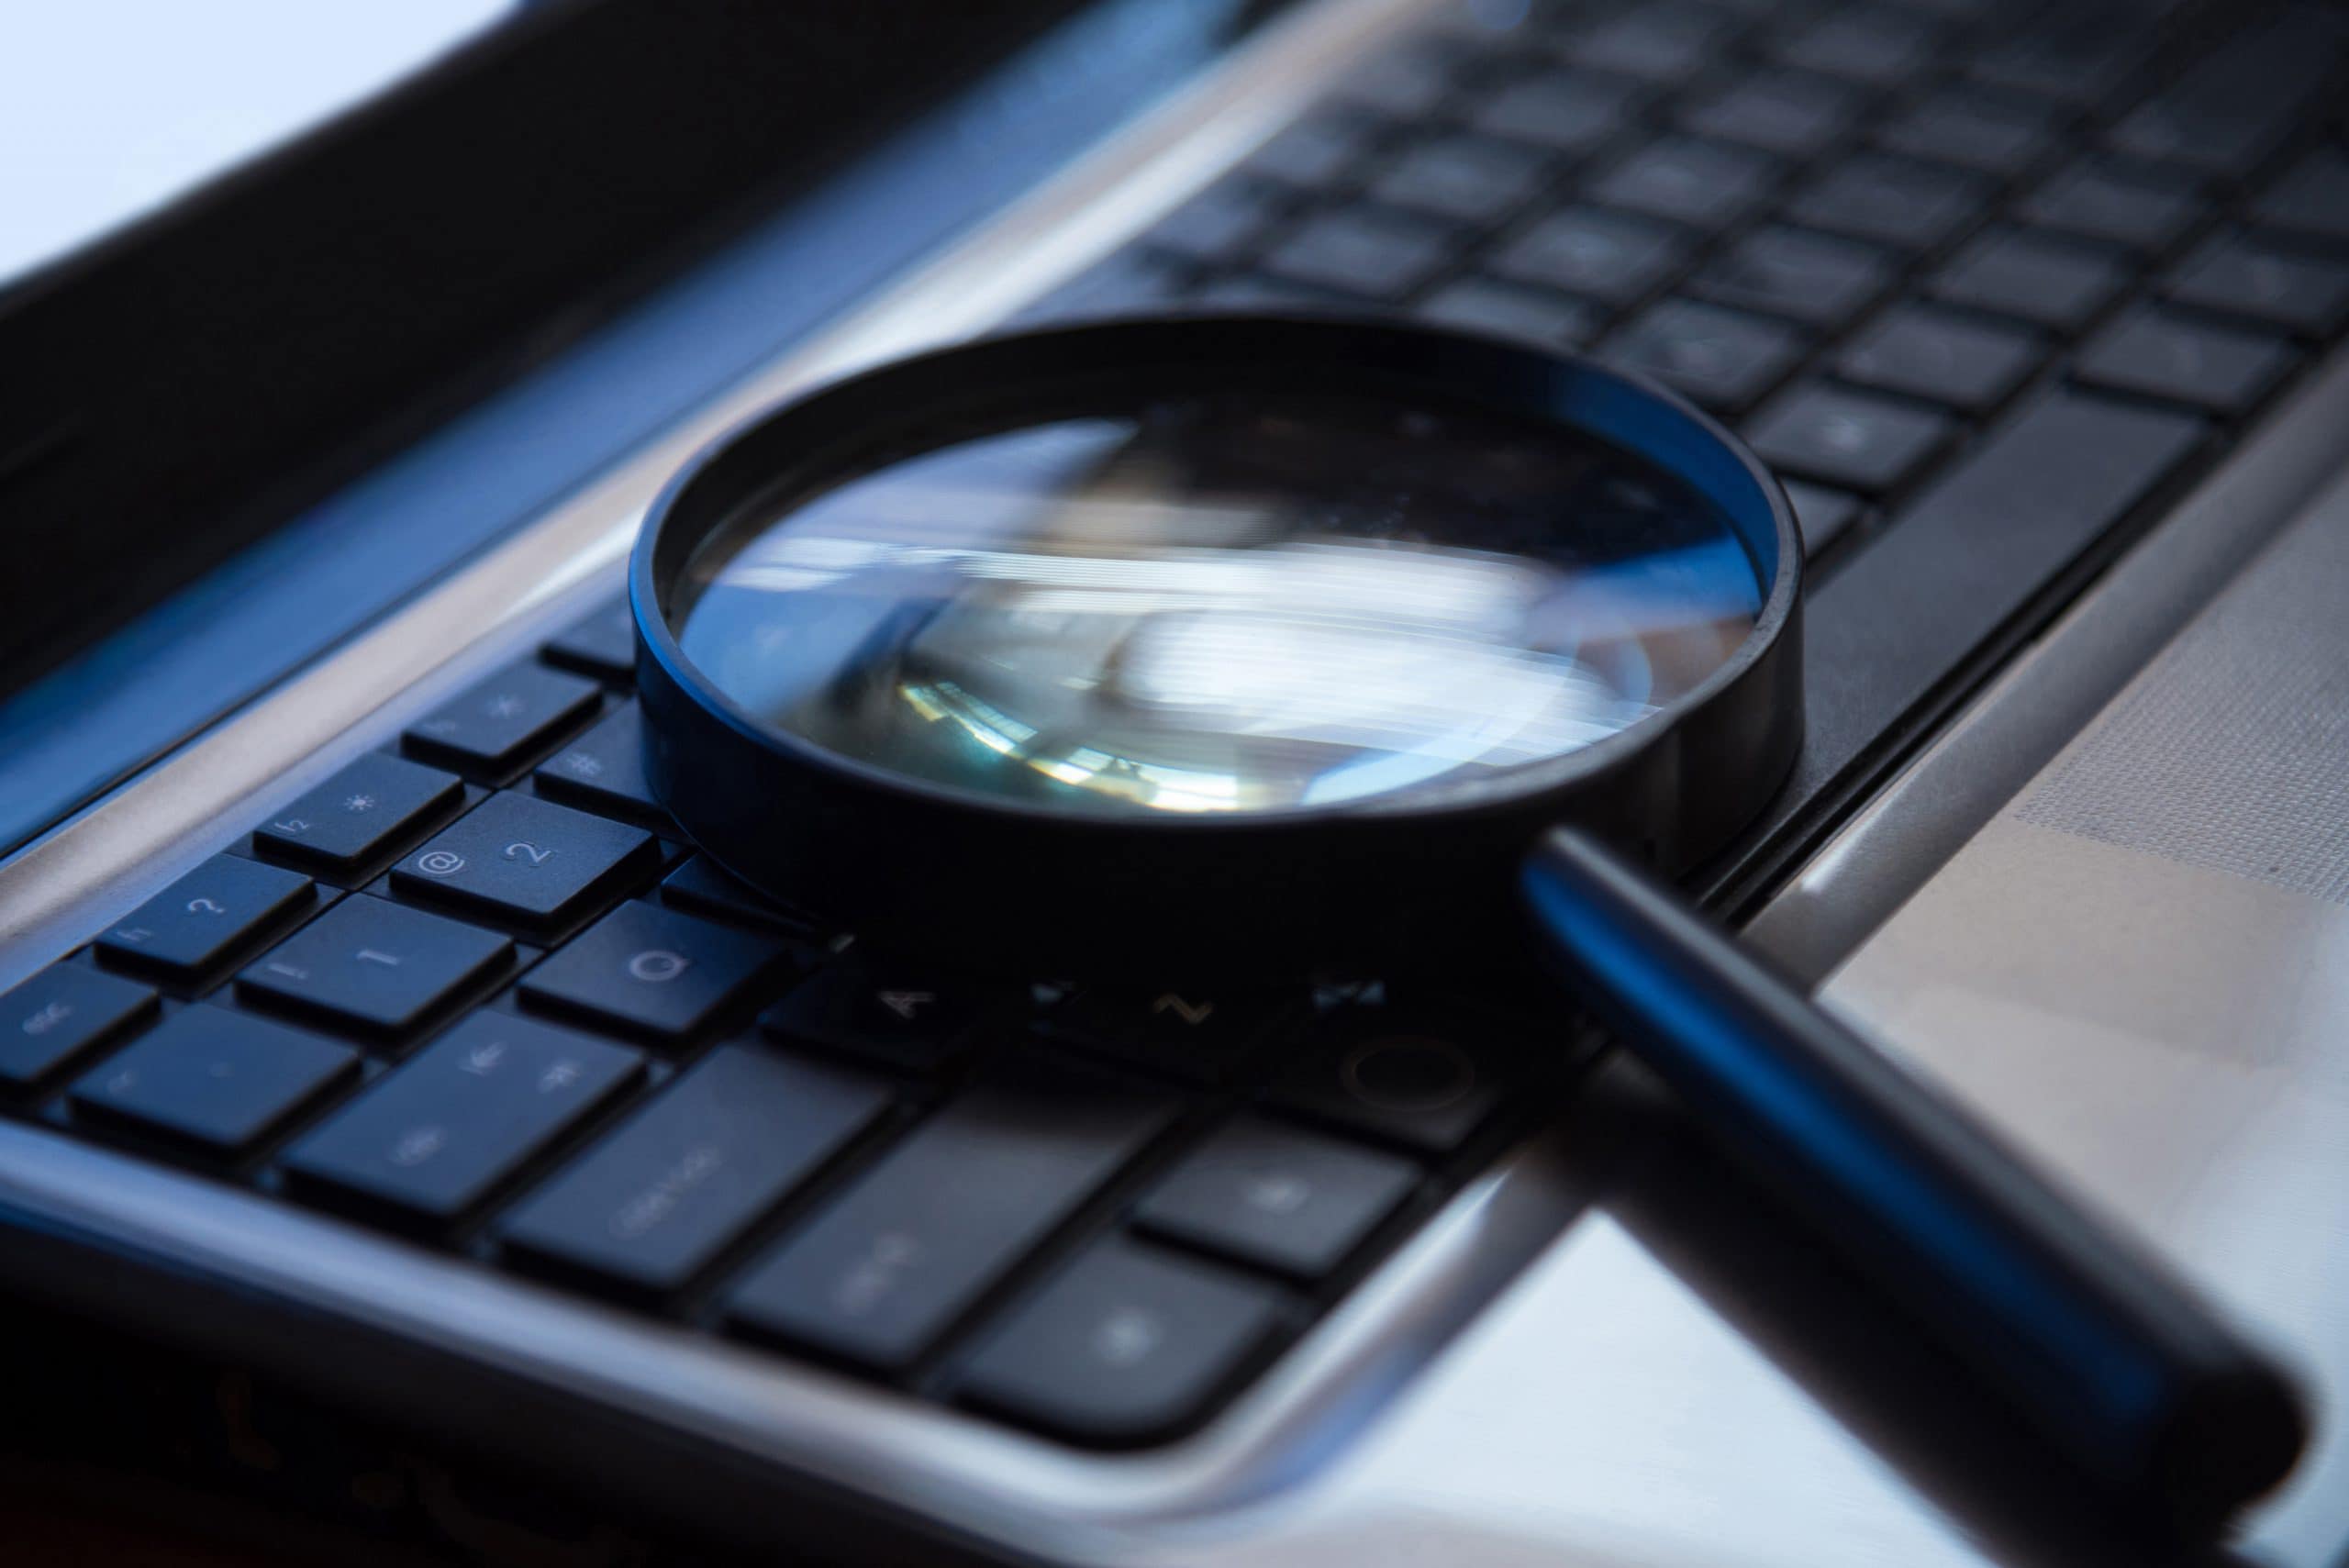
x=2139, y=968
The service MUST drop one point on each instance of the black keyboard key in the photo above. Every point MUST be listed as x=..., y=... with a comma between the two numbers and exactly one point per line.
x=1969, y=365
x=2123, y=204
x=2312, y=198
x=219, y=1081
x=1806, y=277
x=654, y=973
x=2051, y=283
x=1996, y=136
x=206, y=916
x=1723, y=359
x=1470, y=179
x=1873, y=44
x=906, y=1022
x=434, y=1139
x=1890, y=201
x=2076, y=51
x=1537, y=316
x=1206, y=1037
x=374, y=966
x=1277, y=1197
x=1823, y=514
x=1783, y=112
x=887, y=1269
x=702, y=886
x=1315, y=151
x=1662, y=41
x=1402, y=1079
x=1705, y=185
x=62, y=1015
x=1565, y=111
x=603, y=771
x=1125, y=1346
x=654, y=1204
x=360, y=815
x=603, y=645
x=1968, y=554
x=529, y=862
x=1362, y=253
x=2239, y=275
x=1607, y=256
x=490, y=730
x=2161, y=355
x=1847, y=439
x=1219, y=225
x=2236, y=103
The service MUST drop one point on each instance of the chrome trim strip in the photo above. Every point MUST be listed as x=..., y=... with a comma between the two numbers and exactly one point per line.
x=2048, y=694
x=973, y=1475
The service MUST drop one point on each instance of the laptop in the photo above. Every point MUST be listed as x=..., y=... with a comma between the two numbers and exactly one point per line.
x=2034, y=309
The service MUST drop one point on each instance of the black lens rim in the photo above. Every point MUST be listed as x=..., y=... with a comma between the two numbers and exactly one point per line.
x=924, y=865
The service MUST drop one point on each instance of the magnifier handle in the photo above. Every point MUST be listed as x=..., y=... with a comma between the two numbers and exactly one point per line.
x=2101, y=1349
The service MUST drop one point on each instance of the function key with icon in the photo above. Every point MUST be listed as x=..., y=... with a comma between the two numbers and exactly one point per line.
x=201, y=921
x=360, y=815
x=603, y=771
x=498, y=725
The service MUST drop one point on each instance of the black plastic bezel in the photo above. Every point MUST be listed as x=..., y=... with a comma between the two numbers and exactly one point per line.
x=1427, y=874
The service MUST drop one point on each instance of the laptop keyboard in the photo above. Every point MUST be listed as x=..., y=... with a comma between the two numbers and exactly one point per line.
x=1957, y=271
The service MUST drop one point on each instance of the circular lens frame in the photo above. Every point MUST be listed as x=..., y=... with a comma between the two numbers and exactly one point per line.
x=906, y=862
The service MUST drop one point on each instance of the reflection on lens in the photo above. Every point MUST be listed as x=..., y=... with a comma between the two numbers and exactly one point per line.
x=1224, y=604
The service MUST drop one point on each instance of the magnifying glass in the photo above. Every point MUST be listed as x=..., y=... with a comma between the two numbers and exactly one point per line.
x=1240, y=646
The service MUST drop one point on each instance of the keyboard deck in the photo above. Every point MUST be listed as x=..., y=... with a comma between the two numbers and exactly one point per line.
x=1983, y=282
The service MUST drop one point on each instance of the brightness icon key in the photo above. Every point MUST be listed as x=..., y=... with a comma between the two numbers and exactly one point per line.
x=492, y=729
x=362, y=816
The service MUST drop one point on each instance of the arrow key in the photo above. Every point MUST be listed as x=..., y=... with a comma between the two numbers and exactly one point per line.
x=908, y=1023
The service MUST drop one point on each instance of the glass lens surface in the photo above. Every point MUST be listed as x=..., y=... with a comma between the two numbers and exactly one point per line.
x=1223, y=603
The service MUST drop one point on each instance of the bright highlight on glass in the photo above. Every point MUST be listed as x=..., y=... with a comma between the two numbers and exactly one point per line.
x=1223, y=603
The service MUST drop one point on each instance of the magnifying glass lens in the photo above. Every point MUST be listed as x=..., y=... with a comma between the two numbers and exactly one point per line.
x=1222, y=602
